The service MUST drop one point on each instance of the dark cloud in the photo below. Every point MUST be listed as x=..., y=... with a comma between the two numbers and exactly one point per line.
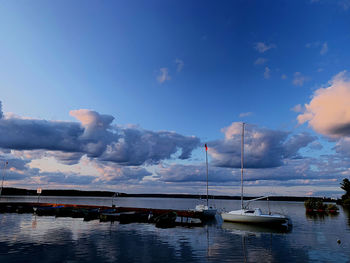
x=340, y=130
x=24, y=134
x=343, y=147
x=296, y=142
x=293, y=172
x=95, y=137
x=66, y=157
x=16, y=169
x=263, y=148
x=194, y=173
x=138, y=146
x=1, y=114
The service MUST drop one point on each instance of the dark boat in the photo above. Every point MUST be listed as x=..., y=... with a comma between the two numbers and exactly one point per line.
x=92, y=214
x=135, y=217
x=46, y=210
x=166, y=220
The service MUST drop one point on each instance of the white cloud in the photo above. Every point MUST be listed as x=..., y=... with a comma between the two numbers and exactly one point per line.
x=324, y=48
x=267, y=72
x=313, y=44
x=344, y=4
x=262, y=47
x=299, y=79
x=328, y=112
x=318, y=44
x=180, y=64
x=245, y=114
x=163, y=75
x=260, y=61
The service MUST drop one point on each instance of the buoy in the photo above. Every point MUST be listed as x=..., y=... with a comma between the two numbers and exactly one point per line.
x=338, y=241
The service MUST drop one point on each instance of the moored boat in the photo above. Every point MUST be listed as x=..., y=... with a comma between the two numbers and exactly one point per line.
x=207, y=212
x=255, y=216
x=252, y=216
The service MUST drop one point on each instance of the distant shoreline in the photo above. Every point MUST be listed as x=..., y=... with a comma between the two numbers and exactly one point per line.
x=60, y=192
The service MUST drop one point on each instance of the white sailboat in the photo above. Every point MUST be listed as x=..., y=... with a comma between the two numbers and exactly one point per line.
x=252, y=216
x=208, y=212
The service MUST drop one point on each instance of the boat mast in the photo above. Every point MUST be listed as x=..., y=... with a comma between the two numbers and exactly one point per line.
x=3, y=176
x=206, y=158
x=242, y=160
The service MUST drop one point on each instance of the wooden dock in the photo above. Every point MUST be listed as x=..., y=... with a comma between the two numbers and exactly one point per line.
x=104, y=213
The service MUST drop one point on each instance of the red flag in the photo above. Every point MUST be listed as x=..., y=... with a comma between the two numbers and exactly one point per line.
x=206, y=147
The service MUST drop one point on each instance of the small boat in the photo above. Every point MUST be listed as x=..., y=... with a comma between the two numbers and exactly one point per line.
x=109, y=216
x=253, y=216
x=46, y=210
x=135, y=217
x=92, y=214
x=207, y=212
x=64, y=212
x=166, y=220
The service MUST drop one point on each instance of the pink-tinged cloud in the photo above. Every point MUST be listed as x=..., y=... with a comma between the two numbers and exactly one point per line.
x=163, y=75
x=328, y=112
x=113, y=173
x=298, y=108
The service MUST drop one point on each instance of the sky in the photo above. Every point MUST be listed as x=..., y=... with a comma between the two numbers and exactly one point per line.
x=122, y=95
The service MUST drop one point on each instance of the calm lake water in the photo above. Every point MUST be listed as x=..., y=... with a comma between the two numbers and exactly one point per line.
x=30, y=238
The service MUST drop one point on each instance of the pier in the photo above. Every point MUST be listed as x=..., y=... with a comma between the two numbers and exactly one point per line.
x=161, y=217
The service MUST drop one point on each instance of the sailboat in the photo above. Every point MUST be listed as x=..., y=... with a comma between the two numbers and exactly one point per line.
x=252, y=216
x=207, y=212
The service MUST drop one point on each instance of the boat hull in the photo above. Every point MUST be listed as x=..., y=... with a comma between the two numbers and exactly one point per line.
x=254, y=219
x=207, y=212
x=210, y=213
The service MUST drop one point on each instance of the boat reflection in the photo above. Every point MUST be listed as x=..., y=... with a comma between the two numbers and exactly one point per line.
x=243, y=229
x=346, y=210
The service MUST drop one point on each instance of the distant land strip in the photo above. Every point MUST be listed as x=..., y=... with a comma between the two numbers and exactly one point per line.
x=9, y=191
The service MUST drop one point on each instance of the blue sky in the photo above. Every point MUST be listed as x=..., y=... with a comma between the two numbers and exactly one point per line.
x=122, y=95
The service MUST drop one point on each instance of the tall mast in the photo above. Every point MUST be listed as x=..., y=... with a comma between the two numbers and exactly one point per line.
x=3, y=176
x=206, y=158
x=242, y=160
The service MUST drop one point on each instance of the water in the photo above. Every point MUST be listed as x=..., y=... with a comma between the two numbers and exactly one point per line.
x=30, y=238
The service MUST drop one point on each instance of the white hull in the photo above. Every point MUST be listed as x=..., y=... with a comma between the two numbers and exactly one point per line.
x=254, y=217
